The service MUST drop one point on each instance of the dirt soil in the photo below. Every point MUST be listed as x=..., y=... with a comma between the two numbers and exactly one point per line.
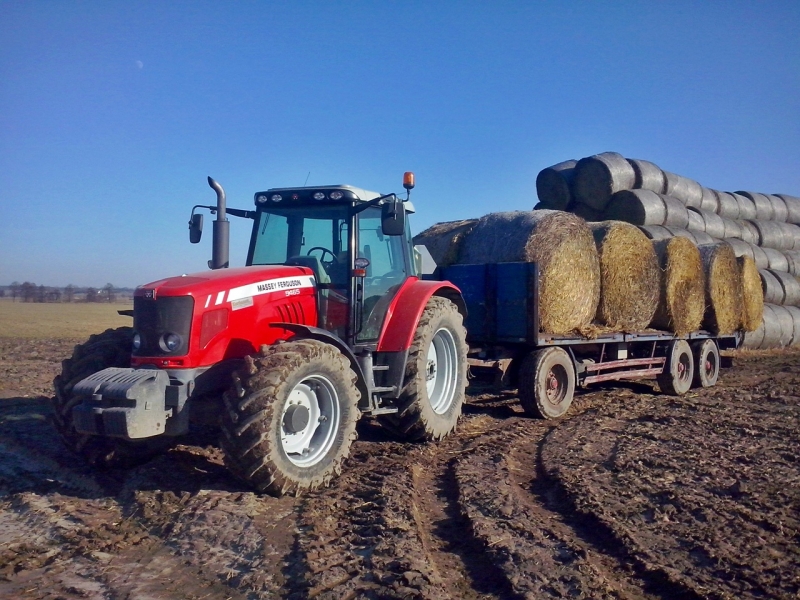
x=635, y=495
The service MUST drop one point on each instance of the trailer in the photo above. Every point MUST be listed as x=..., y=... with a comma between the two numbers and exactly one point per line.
x=503, y=334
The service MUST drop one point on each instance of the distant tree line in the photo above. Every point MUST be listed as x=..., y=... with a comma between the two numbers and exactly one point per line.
x=30, y=292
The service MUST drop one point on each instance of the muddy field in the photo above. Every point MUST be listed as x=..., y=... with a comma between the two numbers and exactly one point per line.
x=635, y=495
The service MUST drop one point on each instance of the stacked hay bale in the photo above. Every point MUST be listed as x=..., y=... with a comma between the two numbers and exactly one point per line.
x=763, y=227
x=564, y=249
x=629, y=276
x=443, y=240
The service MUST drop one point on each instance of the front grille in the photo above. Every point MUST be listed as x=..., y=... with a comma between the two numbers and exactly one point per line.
x=152, y=319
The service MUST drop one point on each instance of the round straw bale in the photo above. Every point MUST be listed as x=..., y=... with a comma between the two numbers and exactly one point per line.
x=773, y=290
x=723, y=288
x=795, y=312
x=754, y=339
x=648, y=176
x=749, y=231
x=727, y=206
x=764, y=210
x=680, y=232
x=553, y=184
x=563, y=247
x=701, y=237
x=786, y=322
x=677, y=215
x=752, y=294
x=762, y=260
x=770, y=235
x=587, y=213
x=656, y=232
x=696, y=222
x=709, y=201
x=792, y=208
x=681, y=301
x=639, y=207
x=598, y=177
x=444, y=240
x=740, y=248
x=793, y=261
x=629, y=276
x=747, y=208
x=715, y=226
x=777, y=260
x=772, y=328
x=732, y=229
x=791, y=287
x=780, y=212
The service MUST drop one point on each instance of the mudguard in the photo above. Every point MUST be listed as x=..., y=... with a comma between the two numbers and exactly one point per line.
x=406, y=309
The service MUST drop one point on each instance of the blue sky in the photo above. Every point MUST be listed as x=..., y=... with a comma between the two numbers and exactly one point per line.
x=112, y=114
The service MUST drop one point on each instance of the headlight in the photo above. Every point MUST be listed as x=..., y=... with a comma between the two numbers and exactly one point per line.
x=170, y=342
x=137, y=341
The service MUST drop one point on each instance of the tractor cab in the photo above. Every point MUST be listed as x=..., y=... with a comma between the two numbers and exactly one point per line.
x=357, y=244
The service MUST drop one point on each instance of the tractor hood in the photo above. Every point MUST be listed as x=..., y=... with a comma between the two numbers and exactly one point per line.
x=223, y=286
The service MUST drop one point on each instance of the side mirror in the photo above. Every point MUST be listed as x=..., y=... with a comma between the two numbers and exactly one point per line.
x=393, y=218
x=196, y=228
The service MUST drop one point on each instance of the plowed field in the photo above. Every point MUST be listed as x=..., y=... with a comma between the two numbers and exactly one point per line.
x=635, y=495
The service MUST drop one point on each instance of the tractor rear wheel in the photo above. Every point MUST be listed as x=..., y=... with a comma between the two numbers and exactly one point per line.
x=290, y=417
x=547, y=383
x=112, y=348
x=678, y=373
x=436, y=375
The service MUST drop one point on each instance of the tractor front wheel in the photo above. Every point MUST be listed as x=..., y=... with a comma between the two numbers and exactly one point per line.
x=436, y=375
x=290, y=417
x=112, y=348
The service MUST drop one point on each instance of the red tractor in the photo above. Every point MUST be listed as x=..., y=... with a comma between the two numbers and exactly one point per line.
x=328, y=321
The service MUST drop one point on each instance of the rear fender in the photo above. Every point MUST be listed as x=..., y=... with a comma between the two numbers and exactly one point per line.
x=406, y=309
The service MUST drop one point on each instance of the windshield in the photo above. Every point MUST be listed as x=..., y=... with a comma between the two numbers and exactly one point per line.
x=302, y=235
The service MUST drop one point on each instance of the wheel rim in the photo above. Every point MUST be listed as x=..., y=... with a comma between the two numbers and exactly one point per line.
x=684, y=367
x=710, y=365
x=440, y=371
x=310, y=421
x=556, y=383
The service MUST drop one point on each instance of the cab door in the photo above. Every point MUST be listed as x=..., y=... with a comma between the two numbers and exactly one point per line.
x=387, y=267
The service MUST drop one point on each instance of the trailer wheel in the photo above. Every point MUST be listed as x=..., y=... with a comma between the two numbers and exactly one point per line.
x=706, y=363
x=290, y=417
x=547, y=383
x=112, y=348
x=678, y=370
x=436, y=375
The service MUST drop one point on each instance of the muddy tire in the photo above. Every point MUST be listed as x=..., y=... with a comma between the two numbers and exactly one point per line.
x=112, y=348
x=290, y=417
x=547, y=383
x=706, y=363
x=678, y=373
x=436, y=376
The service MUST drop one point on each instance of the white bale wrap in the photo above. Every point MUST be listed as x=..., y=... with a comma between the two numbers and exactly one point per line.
x=777, y=260
x=780, y=212
x=764, y=210
x=648, y=176
x=791, y=287
x=696, y=222
x=677, y=215
x=773, y=290
x=599, y=177
x=749, y=232
x=727, y=206
x=553, y=185
x=793, y=261
x=656, y=232
x=747, y=208
x=792, y=208
x=709, y=201
x=639, y=207
x=770, y=235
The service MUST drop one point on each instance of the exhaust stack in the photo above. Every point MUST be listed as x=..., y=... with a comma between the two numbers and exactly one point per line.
x=221, y=234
